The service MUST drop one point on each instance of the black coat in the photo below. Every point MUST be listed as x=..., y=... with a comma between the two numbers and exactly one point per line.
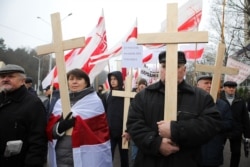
x=212, y=152
x=22, y=117
x=241, y=125
x=198, y=120
x=114, y=106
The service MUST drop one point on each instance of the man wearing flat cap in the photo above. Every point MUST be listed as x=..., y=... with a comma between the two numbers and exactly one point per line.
x=28, y=84
x=23, y=141
x=241, y=124
x=212, y=151
x=171, y=143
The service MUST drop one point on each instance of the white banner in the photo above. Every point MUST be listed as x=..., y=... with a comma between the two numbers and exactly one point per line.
x=244, y=71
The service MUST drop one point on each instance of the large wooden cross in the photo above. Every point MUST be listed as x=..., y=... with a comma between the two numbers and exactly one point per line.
x=217, y=70
x=172, y=37
x=127, y=94
x=58, y=46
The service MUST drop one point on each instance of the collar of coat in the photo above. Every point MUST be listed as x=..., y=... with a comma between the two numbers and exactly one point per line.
x=16, y=95
x=183, y=87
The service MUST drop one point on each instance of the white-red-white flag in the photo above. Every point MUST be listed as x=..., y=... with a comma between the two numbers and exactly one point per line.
x=244, y=71
x=189, y=17
x=193, y=51
x=98, y=62
x=90, y=135
x=96, y=43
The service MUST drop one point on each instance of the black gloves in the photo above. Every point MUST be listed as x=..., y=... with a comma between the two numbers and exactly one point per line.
x=67, y=123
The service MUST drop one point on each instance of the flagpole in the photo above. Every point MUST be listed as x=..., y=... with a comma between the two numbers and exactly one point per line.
x=195, y=59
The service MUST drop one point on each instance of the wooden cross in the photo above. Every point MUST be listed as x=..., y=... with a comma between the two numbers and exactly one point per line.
x=172, y=38
x=127, y=94
x=217, y=70
x=58, y=46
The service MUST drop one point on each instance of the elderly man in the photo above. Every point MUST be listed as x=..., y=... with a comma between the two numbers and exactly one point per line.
x=212, y=152
x=28, y=84
x=241, y=124
x=171, y=143
x=23, y=141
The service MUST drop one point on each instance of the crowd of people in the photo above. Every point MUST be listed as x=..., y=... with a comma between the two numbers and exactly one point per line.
x=36, y=133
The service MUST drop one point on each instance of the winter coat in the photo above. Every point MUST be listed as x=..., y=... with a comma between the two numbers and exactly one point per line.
x=22, y=117
x=114, y=106
x=241, y=122
x=198, y=120
x=50, y=102
x=32, y=91
x=212, y=152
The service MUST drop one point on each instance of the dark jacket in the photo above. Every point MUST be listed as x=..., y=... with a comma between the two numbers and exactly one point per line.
x=50, y=102
x=114, y=106
x=241, y=123
x=32, y=91
x=198, y=120
x=212, y=152
x=22, y=117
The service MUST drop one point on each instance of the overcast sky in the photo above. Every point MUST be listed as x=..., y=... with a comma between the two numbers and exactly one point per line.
x=19, y=26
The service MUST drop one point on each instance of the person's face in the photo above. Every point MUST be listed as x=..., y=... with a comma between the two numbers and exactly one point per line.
x=11, y=82
x=28, y=85
x=76, y=84
x=100, y=88
x=180, y=73
x=140, y=87
x=47, y=92
x=205, y=84
x=230, y=90
x=113, y=81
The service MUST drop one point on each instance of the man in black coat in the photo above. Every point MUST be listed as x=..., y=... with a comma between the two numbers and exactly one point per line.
x=212, y=152
x=241, y=123
x=28, y=84
x=172, y=143
x=23, y=141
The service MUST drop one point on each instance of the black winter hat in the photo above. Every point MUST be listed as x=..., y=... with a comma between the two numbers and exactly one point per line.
x=28, y=80
x=230, y=84
x=181, y=57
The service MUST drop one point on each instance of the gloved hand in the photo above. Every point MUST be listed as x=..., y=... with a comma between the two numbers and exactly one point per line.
x=67, y=123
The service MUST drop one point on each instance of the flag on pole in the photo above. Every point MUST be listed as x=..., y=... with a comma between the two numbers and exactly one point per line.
x=96, y=43
x=187, y=21
x=98, y=62
x=192, y=51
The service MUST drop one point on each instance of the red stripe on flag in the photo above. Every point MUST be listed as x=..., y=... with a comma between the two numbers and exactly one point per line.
x=191, y=23
x=89, y=132
x=193, y=54
x=147, y=58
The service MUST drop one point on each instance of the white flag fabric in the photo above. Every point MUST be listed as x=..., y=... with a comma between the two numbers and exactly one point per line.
x=244, y=71
x=90, y=135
